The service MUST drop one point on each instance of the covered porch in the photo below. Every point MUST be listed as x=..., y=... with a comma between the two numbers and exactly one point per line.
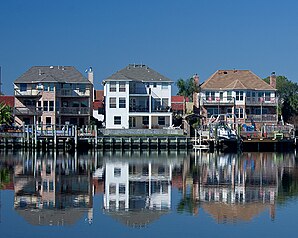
x=150, y=121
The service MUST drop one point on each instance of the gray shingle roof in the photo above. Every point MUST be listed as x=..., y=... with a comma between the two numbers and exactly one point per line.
x=61, y=74
x=134, y=72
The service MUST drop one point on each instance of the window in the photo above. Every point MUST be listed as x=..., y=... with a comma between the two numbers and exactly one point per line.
x=51, y=87
x=82, y=88
x=117, y=120
x=260, y=96
x=165, y=102
x=51, y=106
x=122, y=102
x=161, y=121
x=45, y=106
x=267, y=96
x=239, y=112
x=48, y=120
x=112, y=188
x=210, y=95
x=164, y=86
x=146, y=120
x=122, y=87
x=157, y=103
x=212, y=111
x=229, y=95
x=45, y=185
x=221, y=96
x=117, y=172
x=46, y=87
x=154, y=85
x=239, y=95
x=113, y=86
x=121, y=188
x=23, y=87
x=112, y=102
x=51, y=186
x=39, y=106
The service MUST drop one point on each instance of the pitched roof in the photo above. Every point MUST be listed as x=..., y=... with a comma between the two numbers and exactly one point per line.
x=235, y=79
x=138, y=72
x=7, y=100
x=61, y=74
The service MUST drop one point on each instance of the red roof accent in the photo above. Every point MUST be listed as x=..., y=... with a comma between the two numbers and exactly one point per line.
x=7, y=100
x=178, y=103
x=179, y=99
x=97, y=105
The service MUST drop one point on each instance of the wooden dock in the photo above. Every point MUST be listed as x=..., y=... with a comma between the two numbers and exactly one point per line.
x=66, y=137
x=71, y=138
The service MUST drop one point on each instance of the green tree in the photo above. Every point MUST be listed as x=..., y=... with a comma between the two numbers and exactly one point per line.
x=287, y=92
x=186, y=88
x=5, y=114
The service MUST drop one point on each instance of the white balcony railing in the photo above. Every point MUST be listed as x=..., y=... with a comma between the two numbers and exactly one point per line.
x=29, y=92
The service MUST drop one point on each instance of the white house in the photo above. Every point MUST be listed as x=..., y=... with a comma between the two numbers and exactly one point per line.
x=137, y=97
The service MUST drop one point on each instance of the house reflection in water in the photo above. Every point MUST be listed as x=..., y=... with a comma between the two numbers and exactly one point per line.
x=53, y=190
x=235, y=188
x=58, y=189
x=138, y=189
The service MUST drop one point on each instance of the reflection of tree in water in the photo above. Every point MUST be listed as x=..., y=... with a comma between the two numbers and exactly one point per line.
x=4, y=177
x=289, y=185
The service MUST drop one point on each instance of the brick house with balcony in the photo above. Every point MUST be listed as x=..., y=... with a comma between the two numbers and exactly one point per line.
x=137, y=97
x=240, y=93
x=53, y=95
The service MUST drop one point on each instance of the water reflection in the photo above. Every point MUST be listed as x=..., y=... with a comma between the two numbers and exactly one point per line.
x=137, y=188
x=233, y=187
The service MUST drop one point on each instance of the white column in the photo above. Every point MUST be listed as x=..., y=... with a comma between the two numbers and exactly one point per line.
x=150, y=121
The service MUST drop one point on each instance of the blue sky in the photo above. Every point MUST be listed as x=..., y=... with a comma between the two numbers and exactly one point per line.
x=175, y=37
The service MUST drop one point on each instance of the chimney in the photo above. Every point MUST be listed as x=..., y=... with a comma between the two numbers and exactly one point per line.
x=90, y=75
x=273, y=80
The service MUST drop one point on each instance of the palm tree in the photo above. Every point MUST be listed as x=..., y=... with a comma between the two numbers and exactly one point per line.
x=5, y=114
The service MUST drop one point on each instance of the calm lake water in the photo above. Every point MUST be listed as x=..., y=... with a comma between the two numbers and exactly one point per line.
x=156, y=194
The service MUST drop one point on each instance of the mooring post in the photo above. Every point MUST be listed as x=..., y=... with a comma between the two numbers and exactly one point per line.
x=76, y=136
x=35, y=136
x=96, y=136
x=55, y=138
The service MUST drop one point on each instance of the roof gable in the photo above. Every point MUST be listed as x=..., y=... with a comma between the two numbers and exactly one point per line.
x=235, y=79
x=141, y=73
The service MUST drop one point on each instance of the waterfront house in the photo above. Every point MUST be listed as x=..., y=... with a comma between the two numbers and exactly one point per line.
x=240, y=93
x=137, y=97
x=53, y=95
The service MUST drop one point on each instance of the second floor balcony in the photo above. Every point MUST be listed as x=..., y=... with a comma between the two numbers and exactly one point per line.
x=255, y=101
x=218, y=101
x=74, y=111
x=27, y=111
x=27, y=93
x=146, y=109
x=73, y=93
